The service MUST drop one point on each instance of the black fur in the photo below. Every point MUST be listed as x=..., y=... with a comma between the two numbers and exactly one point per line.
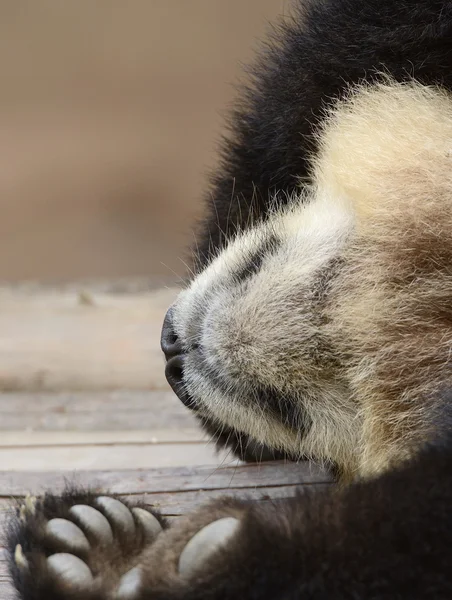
x=254, y=261
x=385, y=539
x=310, y=60
x=243, y=447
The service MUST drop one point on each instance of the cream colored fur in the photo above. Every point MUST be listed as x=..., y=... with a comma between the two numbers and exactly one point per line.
x=386, y=140
x=389, y=150
x=364, y=354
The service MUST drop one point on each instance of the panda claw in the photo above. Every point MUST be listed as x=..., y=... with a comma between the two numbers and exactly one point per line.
x=30, y=503
x=19, y=558
x=28, y=508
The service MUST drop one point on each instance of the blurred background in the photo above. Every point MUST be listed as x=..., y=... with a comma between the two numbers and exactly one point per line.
x=110, y=112
x=110, y=116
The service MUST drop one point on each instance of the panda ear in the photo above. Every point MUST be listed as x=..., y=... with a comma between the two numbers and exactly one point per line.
x=386, y=147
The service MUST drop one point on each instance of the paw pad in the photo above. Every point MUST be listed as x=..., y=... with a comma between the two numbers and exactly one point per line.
x=71, y=570
x=129, y=585
x=150, y=524
x=207, y=541
x=118, y=513
x=67, y=533
x=93, y=522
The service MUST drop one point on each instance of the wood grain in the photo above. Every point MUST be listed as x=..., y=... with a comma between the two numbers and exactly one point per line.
x=75, y=457
x=33, y=439
x=175, y=479
x=93, y=411
x=85, y=340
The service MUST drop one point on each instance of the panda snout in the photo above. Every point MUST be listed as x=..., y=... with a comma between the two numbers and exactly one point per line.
x=175, y=356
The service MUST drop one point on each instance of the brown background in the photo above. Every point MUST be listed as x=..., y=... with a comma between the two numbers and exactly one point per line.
x=109, y=116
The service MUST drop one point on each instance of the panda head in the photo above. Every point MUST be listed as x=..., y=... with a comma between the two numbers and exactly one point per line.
x=250, y=334
x=255, y=343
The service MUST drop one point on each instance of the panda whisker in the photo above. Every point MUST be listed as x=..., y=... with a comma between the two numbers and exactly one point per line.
x=189, y=269
x=181, y=280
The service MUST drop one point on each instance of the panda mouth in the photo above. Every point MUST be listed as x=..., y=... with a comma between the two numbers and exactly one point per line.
x=264, y=402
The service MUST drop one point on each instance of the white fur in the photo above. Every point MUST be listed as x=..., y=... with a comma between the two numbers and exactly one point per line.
x=382, y=181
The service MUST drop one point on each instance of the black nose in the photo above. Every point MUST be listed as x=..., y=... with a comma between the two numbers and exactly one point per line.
x=174, y=354
x=169, y=341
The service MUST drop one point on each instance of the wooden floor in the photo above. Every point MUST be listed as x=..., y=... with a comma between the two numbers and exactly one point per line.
x=83, y=398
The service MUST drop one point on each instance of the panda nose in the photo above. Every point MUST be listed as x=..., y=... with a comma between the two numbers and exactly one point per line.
x=174, y=354
x=169, y=341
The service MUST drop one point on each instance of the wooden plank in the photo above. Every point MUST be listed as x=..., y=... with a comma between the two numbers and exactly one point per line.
x=63, y=340
x=174, y=491
x=175, y=504
x=119, y=420
x=175, y=479
x=31, y=439
x=3, y=554
x=93, y=411
x=80, y=402
x=111, y=456
x=6, y=590
x=6, y=508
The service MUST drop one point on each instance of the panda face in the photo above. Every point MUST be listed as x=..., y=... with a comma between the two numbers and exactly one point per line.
x=324, y=331
x=254, y=328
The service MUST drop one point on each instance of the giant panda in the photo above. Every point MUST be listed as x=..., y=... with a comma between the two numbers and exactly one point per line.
x=318, y=324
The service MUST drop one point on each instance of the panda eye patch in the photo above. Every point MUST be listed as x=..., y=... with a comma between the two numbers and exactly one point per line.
x=253, y=261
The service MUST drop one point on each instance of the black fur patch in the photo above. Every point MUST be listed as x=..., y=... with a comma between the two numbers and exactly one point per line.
x=254, y=262
x=310, y=61
x=285, y=409
x=242, y=446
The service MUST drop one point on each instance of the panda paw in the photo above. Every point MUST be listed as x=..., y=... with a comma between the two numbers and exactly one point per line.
x=80, y=545
x=97, y=547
